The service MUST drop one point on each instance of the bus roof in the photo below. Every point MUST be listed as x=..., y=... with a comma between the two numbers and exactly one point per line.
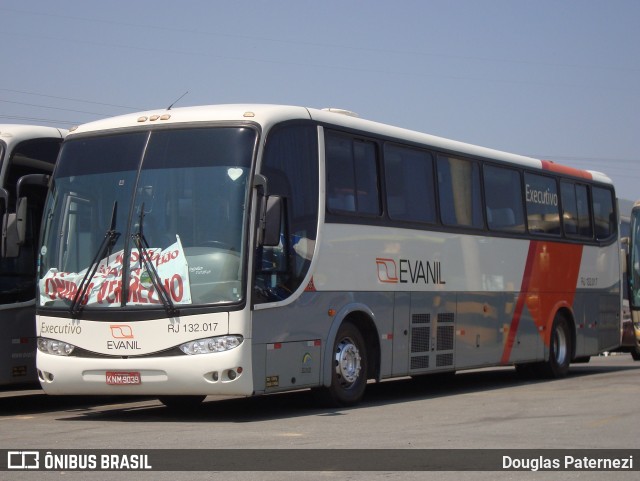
x=14, y=133
x=267, y=115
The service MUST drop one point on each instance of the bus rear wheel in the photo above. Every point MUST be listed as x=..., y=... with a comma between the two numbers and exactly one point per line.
x=560, y=349
x=349, y=369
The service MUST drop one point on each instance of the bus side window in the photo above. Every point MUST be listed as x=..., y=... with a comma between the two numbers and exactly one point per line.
x=541, y=198
x=410, y=184
x=576, y=219
x=569, y=208
x=459, y=192
x=584, y=219
x=352, y=175
x=503, y=192
x=603, y=213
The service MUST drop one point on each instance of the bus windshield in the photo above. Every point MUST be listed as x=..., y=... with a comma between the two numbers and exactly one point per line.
x=146, y=219
x=634, y=264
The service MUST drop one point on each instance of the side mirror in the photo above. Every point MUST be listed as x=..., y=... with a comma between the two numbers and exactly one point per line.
x=273, y=221
x=625, y=242
x=41, y=180
x=21, y=220
x=271, y=207
x=14, y=224
x=9, y=243
x=4, y=202
x=14, y=228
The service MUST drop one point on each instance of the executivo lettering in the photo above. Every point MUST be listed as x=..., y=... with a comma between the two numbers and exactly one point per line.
x=544, y=197
x=65, y=329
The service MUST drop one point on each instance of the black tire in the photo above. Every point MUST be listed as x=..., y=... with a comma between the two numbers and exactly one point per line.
x=635, y=354
x=349, y=369
x=582, y=360
x=560, y=349
x=526, y=371
x=181, y=402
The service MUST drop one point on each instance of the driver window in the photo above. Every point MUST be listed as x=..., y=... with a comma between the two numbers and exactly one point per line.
x=290, y=165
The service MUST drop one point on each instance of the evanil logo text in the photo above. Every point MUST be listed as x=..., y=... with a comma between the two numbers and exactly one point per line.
x=409, y=271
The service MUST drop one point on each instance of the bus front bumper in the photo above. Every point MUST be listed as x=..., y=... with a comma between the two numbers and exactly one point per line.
x=225, y=373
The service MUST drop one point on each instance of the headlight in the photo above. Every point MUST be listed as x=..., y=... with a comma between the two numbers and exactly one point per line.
x=58, y=348
x=211, y=344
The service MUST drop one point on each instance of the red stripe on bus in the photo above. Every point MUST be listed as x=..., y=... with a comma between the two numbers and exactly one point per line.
x=548, y=284
x=563, y=169
x=515, y=320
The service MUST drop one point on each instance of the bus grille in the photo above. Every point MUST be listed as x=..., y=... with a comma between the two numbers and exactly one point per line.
x=421, y=319
x=443, y=360
x=420, y=337
x=419, y=362
x=445, y=338
x=424, y=346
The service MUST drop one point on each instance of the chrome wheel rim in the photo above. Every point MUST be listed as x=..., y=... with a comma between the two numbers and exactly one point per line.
x=560, y=346
x=348, y=362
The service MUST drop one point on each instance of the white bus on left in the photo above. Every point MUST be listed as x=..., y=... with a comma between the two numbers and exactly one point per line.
x=27, y=157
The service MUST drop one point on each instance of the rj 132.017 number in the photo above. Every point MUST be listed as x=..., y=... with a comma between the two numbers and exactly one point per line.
x=192, y=327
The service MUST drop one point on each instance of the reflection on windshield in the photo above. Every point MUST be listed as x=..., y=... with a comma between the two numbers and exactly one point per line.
x=190, y=193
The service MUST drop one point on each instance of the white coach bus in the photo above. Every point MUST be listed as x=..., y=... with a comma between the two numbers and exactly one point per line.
x=250, y=249
x=27, y=156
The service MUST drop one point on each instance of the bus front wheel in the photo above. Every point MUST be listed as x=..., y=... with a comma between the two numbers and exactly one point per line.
x=348, y=370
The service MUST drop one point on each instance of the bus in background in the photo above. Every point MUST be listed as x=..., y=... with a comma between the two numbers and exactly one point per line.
x=27, y=153
x=630, y=315
x=251, y=249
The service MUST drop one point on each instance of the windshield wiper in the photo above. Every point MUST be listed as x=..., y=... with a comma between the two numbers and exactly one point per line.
x=143, y=252
x=110, y=238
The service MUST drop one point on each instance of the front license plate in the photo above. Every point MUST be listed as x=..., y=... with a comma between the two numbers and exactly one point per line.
x=117, y=378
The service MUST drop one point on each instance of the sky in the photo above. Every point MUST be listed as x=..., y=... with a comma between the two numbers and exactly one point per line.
x=551, y=79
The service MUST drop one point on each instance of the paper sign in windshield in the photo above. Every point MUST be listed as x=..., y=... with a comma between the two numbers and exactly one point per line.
x=105, y=288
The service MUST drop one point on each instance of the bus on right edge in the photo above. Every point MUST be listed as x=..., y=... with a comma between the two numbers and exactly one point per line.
x=631, y=321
